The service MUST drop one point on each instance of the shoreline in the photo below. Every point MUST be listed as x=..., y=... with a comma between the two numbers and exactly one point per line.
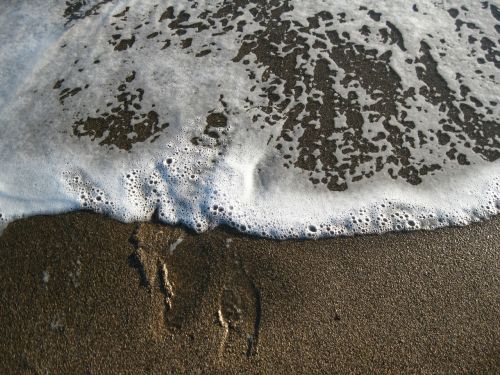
x=83, y=293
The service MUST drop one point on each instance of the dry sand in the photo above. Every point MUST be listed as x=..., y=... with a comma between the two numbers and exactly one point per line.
x=82, y=293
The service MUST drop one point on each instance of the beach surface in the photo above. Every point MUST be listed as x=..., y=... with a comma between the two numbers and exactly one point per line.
x=82, y=293
x=279, y=119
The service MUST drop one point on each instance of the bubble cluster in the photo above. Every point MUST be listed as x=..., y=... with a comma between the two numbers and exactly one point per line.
x=90, y=197
x=282, y=119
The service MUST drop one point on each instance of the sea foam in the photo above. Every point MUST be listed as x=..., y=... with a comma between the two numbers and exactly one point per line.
x=283, y=119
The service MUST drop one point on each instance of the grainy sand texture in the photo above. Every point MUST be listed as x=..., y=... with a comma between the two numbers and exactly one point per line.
x=84, y=294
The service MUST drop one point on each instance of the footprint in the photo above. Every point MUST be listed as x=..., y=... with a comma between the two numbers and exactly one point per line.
x=154, y=277
x=239, y=313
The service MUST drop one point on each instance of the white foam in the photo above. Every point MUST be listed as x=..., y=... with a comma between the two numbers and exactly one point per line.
x=174, y=245
x=237, y=179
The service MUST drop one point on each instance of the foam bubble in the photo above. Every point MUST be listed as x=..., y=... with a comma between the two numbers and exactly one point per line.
x=281, y=119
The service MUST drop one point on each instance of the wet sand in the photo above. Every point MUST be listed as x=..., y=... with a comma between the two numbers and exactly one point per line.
x=82, y=293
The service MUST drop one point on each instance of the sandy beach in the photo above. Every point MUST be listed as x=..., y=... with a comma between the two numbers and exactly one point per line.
x=283, y=119
x=84, y=294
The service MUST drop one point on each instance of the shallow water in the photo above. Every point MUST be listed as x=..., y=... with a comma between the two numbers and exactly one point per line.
x=279, y=118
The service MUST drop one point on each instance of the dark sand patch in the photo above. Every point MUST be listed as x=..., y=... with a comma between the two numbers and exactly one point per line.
x=82, y=293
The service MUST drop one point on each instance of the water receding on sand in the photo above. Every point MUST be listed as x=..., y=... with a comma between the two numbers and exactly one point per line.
x=279, y=118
